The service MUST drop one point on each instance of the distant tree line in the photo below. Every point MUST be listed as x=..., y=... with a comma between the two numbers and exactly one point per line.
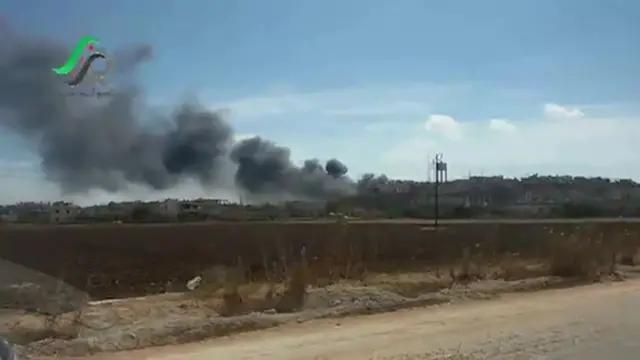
x=380, y=207
x=375, y=206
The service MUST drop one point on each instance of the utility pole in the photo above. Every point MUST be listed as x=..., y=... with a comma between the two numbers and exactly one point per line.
x=440, y=168
x=437, y=185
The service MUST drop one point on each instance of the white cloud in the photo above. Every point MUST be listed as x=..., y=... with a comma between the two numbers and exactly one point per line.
x=596, y=146
x=401, y=100
x=444, y=125
x=393, y=107
x=555, y=111
x=502, y=125
x=267, y=106
x=391, y=127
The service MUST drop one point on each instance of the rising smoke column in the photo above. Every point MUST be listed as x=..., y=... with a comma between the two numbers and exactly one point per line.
x=265, y=167
x=103, y=146
x=84, y=146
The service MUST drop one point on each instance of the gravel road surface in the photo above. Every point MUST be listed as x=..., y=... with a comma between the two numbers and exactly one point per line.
x=596, y=322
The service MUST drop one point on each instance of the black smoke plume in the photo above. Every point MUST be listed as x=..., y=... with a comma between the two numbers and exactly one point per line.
x=84, y=145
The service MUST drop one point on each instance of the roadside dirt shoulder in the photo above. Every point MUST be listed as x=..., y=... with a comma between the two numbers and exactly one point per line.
x=522, y=326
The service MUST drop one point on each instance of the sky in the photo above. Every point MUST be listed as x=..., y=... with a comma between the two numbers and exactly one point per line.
x=497, y=86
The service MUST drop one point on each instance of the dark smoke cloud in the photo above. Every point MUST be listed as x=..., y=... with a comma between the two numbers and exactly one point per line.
x=264, y=167
x=106, y=147
x=335, y=168
x=312, y=166
x=371, y=182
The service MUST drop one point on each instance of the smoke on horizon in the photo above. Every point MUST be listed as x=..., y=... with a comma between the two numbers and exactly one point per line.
x=103, y=146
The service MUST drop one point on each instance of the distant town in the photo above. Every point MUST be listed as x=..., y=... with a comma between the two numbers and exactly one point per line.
x=476, y=197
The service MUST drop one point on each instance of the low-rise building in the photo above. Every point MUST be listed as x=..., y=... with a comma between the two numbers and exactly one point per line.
x=169, y=208
x=61, y=212
x=190, y=208
x=9, y=217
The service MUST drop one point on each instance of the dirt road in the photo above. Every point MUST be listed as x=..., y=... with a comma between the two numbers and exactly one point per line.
x=588, y=323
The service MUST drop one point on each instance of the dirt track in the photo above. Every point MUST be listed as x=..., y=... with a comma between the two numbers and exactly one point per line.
x=588, y=323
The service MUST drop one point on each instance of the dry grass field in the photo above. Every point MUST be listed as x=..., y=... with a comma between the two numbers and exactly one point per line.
x=258, y=275
x=115, y=261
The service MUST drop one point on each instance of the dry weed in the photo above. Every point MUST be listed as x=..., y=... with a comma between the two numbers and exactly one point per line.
x=630, y=257
x=468, y=269
x=233, y=301
x=409, y=285
x=212, y=280
x=231, y=295
x=579, y=255
x=294, y=296
x=511, y=268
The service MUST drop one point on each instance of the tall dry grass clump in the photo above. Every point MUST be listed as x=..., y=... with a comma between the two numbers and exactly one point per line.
x=583, y=254
x=629, y=245
x=232, y=300
x=222, y=282
x=232, y=293
x=294, y=296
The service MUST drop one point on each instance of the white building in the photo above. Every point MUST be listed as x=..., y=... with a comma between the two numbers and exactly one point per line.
x=190, y=208
x=62, y=212
x=168, y=207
